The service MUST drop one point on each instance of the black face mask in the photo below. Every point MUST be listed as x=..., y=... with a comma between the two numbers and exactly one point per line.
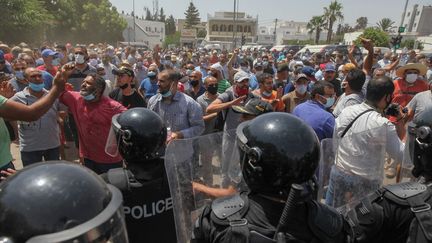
x=194, y=83
x=212, y=89
x=124, y=86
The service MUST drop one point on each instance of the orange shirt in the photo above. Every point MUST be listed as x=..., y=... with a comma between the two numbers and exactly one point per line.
x=277, y=106
x=403, y=93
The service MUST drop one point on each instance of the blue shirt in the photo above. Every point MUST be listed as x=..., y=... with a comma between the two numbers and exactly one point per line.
x=183, y=114
x=149, y=87
x=253, y=82
x=315, y=115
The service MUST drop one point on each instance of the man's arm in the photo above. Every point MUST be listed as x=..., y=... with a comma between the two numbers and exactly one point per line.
x=351, y=55
x=367, y=66
x=217, y=105
x=392, y=66
x=12, y=110
x=195, y=117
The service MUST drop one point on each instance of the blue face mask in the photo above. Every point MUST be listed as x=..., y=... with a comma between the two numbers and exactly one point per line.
x=329, y=102
x=55, y=62
x=19, y=75
x=151, y=74
x=166, y=94
x=36, y=87
x=89, y=97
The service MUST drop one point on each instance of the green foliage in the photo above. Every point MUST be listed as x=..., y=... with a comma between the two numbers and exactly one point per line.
x=379, y=37
x=316, y=24
x=192, y=16
x=162, y=16
x=385, y=24
x=23, y=20
x=202, y=33
x=361, y=23
x=173, y=39
x=170, y=27
x=34, y=21
x=332, y=13
x=411, y=44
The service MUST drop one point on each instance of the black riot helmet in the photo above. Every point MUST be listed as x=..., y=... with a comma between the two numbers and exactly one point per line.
x=277, y=149
x=420, y=135
x=139, y=134
x=60, y=202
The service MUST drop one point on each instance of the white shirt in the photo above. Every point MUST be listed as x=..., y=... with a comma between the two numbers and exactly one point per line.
x=362, y=150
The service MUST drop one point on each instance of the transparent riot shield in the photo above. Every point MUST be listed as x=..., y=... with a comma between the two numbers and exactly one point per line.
x=199, y=170
x=404, y=174
x=326, y=162
x=358, y=168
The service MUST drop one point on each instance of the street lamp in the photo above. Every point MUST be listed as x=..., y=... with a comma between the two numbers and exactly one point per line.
x=133, y=9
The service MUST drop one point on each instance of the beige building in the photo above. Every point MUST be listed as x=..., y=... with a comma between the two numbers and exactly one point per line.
x=221, y=28
x=419, y=20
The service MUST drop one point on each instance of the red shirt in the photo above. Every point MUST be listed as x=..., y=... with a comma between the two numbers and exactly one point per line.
x=51, y=71
x=93, y=121
x=404, y=92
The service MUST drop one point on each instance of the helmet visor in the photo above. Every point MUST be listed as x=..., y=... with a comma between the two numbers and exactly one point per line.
x=107, y=227
x=113, y=141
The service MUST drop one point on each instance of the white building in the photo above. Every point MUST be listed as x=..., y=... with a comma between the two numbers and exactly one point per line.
x=419, y=20
x=149, y=32
x=289, y=30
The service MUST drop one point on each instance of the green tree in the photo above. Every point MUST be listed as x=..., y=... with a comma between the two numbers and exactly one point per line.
x=379, y=37
x=101, y=23
x=316, y=24
x=173, y=39
x=361, y=23
x=385, y=24
x=170, y=27
x=202, y=33
x=192, y=16
x=162, y=16
x=332, y=13
x=149, y=15
x=23, y=20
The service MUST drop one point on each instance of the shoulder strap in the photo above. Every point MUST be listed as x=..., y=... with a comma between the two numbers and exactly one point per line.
x=352, y=122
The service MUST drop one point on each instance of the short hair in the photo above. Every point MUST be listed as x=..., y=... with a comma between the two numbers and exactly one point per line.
x=172, y=75
x=282, y=68
x=318, y=88
x=378, y=88
x=207, y=78
x=263, y=76
x=356, y=79
x=99, y=81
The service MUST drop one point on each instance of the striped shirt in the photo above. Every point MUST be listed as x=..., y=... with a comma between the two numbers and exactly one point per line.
x=183, y=114
x=77, y=76
x=223, y=85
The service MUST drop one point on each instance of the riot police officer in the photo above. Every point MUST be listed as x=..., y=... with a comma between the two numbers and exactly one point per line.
x=139, y=134
x=60, y=202
x=278, y=152
x=400, y=212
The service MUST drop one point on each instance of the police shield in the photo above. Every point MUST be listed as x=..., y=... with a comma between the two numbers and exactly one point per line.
x=326, y=162
x=404, y=174
x=358, y=168
x=198, y=170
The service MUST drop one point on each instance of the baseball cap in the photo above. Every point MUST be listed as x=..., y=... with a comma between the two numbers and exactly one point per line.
x=309, y=71
x=329, y=67
x=123, y=70
x=258, y=64
x=300, y=76
x=49, y=52
x=240, y=76
x=254, y=107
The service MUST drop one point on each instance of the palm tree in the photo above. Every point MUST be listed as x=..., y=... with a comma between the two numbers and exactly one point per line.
x=332, y=13
x=316, y=24
x=385, y=24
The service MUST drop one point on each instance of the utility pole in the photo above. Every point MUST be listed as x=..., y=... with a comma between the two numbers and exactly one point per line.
x=234, y=24
x=274, y=33
x=133, y=9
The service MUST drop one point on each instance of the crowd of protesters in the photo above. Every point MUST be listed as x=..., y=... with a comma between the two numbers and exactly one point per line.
x=193, y=90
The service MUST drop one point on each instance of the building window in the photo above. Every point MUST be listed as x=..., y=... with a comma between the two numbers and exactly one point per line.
x=215, y=27
x=408, y=14
x=223, y=27
x=418, y=12
x=230, y=28
x=239, y=28
x=262, y=31
x=248, y=29
x=415, y=25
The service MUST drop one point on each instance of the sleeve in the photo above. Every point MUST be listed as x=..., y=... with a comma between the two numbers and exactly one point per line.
x=224, y=97
x=329, y=126
x=196, y=122
x=67, y=98
x=413, y=103
x=2, y=100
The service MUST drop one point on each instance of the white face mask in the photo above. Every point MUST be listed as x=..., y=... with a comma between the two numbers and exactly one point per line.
x=301, y=89
x=411, y=78
x=79, y=59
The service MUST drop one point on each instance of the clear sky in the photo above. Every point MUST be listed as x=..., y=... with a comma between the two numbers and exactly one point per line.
x=268, y=10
